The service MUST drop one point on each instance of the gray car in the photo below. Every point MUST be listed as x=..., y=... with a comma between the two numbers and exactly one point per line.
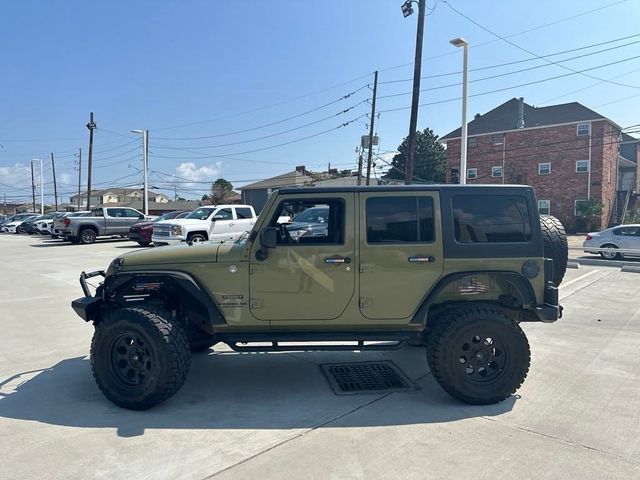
x=614, y=243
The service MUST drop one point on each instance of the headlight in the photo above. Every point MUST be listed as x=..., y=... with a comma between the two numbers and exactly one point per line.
x=295, y=234
x=176, y=229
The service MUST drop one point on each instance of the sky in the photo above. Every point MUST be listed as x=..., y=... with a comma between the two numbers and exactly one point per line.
x=249, y=89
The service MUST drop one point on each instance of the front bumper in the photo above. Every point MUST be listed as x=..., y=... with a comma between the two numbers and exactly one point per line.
x=88, y=307
x=167, y=240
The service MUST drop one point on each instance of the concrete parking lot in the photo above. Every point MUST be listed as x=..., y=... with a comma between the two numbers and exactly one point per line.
x=274, y=416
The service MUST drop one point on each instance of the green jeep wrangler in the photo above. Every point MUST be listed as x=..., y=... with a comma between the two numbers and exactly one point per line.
x=453, y=267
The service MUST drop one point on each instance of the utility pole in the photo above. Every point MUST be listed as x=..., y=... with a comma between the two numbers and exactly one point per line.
x=33, y=189
x=411, y=154
x=41, y=187
x=91, y=126
x=145, y=159
x=79, y=174
x=55, y=186
x=373, y=119
x=359, y=165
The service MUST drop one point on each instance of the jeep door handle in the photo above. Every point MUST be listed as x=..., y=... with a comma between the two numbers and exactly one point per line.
x=337, y=259
x=422, y=259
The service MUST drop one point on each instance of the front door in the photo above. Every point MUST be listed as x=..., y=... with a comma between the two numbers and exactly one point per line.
x=400, y=252
x=310, y=274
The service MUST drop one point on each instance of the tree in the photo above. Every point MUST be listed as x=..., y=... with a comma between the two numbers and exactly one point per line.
x=589, y=213
x=430, y=159
x=220, y=190
x=205, y=198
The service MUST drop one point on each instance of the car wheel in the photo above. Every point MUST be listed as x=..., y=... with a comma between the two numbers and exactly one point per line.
x=478, y=355
x=196, y=238
x=554, y=240
x=87, y=236
x=144, y=244
x=611, y=254
x=139, y=357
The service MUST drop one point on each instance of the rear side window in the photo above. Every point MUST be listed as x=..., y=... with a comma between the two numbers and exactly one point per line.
x=243, y=212
x=491, y=219
x=400, y=220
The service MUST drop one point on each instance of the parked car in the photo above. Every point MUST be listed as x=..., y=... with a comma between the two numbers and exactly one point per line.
x=58, y=221
x=311, y=222
x=614, y=243
x=141, y=232
x=218, y=223
x=108, y=221
x=15, y=225
x=28, y=225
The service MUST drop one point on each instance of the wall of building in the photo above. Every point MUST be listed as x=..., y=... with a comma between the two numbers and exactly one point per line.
x=522, y=151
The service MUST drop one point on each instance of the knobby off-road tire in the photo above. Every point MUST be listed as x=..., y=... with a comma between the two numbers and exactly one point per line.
x=139, y=357
x=477, y=354
x=554, y=239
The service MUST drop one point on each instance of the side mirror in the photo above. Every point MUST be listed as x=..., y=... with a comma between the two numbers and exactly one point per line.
x=269, y=237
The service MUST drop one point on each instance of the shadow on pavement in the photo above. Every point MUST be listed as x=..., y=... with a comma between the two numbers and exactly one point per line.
x=62, y=243
x=231, y=391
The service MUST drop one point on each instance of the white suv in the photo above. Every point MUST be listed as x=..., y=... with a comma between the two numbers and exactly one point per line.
x=218, y=223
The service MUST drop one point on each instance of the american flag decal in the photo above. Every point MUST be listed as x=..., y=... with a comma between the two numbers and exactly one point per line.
x=472, y=286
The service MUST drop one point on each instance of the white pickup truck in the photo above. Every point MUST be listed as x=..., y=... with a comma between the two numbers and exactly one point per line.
x=217, y=223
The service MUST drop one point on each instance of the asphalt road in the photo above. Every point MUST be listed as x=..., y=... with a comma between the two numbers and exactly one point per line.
x=273, y=416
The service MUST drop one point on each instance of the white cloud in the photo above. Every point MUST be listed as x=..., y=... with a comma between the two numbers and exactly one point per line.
x=67, y=179
x=188, y=171
x=17, y=176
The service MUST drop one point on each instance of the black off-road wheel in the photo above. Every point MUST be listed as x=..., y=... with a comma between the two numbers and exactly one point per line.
x=139, y=357
x=87, y=236
x=478, y=355
x=554, y=239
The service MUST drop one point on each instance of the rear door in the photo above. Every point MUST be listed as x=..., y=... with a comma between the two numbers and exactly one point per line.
x=401, y=255
x=244, y=219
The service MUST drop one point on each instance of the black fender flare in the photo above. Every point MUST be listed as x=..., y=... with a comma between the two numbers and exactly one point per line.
x=516, y=280
x=191, y=292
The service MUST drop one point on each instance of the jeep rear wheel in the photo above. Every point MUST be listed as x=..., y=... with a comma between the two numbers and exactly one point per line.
x=554, y=240
x=478, y=355
x=139, y=357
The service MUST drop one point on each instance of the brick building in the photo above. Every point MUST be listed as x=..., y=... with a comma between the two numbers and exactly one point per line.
x=567, y=152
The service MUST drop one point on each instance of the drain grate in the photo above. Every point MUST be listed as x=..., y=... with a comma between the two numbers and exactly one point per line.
x=366, y=377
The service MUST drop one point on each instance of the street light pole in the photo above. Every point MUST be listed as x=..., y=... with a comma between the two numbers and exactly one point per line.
x=461, y=42
x=145, y=161
x=411, y=154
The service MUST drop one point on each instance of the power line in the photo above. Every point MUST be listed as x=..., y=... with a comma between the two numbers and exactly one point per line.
x=526, y=60
x=270, y=124
x=504, y=39
x=514, y=86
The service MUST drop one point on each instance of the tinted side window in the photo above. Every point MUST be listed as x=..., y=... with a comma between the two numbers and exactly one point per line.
x=400, y=220
x=307, y=226
x=491, y=219
x=131, y=213
x=243, y=212
x=223, y=214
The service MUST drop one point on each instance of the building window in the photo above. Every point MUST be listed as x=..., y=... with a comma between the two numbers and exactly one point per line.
x=497, y=139
x=472, y=173
x=472, y=142
x=496, y=172
x=579, y=207
x=544, y=207
x=583, y=130
x=582, y=166
x=544, y=168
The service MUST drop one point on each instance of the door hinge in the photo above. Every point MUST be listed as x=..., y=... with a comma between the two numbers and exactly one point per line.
x=256, y=269
x=256, y=303
x=365, y=302
x=367, y=267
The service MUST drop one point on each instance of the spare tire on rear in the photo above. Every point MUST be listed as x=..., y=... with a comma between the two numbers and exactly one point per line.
x=554, y=239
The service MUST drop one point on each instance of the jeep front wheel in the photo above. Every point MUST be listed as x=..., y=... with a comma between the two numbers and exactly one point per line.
x=139, y=357
x=478, y=355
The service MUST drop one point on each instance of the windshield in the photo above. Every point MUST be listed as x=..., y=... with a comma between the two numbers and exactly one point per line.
x=200, y=213
x=166, y=216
